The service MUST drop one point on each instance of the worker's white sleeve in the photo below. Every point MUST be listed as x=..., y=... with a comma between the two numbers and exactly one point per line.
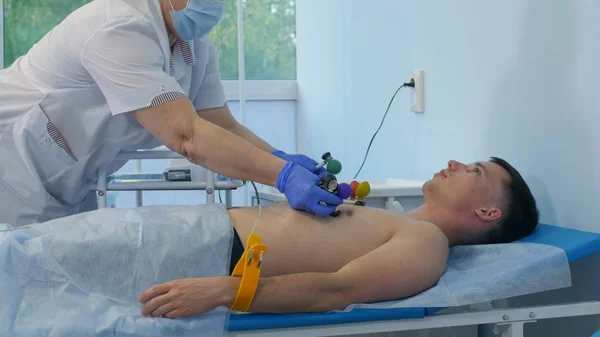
x=125, y=59
x=211, y=93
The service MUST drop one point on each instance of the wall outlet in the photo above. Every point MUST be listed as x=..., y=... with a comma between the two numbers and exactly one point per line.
x=418, y=92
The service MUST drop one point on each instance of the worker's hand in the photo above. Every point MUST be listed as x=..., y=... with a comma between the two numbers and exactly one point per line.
x=301, y=160
x=186, y=297
x=300, y=187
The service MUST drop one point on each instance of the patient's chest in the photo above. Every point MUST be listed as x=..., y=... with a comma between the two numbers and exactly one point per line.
x=299, y=242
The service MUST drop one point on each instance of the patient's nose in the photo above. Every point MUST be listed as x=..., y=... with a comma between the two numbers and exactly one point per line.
x=453, y=165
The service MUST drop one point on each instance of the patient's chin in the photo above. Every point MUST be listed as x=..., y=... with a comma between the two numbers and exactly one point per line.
x=429, y=187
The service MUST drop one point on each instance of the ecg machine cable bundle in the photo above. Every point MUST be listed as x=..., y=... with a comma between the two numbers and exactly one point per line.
x=407, y=84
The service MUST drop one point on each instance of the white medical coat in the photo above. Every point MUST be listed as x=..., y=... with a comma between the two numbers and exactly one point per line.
x=65, y=106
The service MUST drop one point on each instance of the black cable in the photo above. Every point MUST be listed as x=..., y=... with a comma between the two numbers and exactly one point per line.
x=256, y=191
x=409, y=84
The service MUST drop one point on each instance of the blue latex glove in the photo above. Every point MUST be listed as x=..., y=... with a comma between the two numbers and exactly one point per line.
x=300, y=187
x=301, y=160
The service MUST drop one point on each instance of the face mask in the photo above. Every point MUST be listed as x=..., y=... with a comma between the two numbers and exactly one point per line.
x=197, y=19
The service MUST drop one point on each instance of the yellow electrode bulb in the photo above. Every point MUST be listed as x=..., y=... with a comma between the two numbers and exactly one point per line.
x=363, y=190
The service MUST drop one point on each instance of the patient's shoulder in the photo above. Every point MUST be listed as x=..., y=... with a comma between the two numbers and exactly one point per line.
x=427, y=241
x=411, y=228
x=434, y=237
x=422, y=256
x=431, y=231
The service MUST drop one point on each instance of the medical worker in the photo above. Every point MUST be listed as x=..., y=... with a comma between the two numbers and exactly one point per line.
x=126, y=75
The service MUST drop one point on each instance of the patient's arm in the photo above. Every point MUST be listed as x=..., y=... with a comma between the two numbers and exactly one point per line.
x=400, y=268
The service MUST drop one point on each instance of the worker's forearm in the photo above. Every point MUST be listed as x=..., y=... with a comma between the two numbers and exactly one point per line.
x=304, y=292
x=248, y=135
x=228, y=154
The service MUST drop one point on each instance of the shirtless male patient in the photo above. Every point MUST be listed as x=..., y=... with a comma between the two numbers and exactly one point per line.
x=317, y=264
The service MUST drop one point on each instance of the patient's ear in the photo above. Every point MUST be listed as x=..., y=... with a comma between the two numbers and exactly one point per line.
x=488, y=213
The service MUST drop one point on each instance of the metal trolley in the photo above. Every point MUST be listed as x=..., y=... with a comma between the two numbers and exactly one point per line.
x=154, y=182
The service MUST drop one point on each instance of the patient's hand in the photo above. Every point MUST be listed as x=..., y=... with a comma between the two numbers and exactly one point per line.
x=186, y=297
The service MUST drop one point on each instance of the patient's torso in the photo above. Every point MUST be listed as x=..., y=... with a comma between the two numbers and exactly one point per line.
x=300, y=242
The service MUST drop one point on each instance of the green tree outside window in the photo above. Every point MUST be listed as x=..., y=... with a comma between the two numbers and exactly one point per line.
x=269, y=34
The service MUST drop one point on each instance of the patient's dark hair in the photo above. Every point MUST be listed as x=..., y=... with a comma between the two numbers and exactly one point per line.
x=520, y=214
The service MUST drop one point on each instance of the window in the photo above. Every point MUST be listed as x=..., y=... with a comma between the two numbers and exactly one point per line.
x=269, y=40
x=269, y=34
x=27, y=21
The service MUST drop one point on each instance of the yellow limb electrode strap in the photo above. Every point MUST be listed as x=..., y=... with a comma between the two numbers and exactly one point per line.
x=248, y=267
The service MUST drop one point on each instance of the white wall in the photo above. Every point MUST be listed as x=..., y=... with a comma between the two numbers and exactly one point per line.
x=515, y=79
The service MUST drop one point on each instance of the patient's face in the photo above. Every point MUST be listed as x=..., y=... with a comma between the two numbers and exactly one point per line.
x=467, y=187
